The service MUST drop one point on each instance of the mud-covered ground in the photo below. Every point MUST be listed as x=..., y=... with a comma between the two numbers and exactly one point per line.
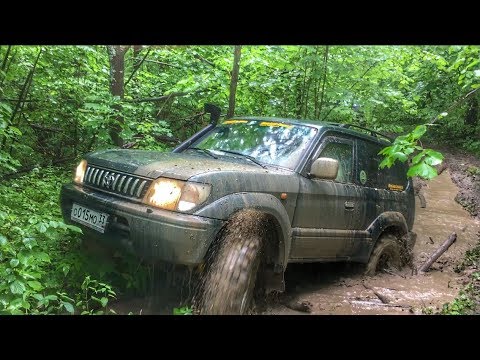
x=342, y=289
x=465, y=173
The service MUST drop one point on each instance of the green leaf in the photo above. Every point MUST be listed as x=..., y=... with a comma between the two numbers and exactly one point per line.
x=66, y=269
x=422, y=170
x=419, y=131
x=400, y=156
x=35, y=285
x=434, y=157
x=104, y=301
x=41, y=227
x=3, y=240
x=417, y=158
x=14, y=263
x=42, y=257
x=182, y=311
x=75, y=229
x=68, y=307
x=38, y=296
x=17, y=287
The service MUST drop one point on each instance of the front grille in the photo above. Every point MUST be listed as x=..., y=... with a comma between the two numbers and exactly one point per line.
x=116, y=182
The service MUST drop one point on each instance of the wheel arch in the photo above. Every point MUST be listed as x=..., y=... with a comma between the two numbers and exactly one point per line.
x=389, y=222
x=229, y=207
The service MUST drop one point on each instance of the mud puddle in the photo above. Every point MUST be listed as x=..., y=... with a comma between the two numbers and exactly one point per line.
x=341, y=289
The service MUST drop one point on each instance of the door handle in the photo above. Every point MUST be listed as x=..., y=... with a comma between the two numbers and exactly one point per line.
x=349, y=205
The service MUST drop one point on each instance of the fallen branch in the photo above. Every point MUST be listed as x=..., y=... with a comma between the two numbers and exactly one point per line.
x=423, y=202
x=302, y=306
x=444, y=247
x=382, y=298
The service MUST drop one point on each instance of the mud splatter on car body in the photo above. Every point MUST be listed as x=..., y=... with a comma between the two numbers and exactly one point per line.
x=314, y=219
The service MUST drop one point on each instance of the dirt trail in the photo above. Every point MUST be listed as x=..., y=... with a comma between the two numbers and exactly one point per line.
x=339, y=289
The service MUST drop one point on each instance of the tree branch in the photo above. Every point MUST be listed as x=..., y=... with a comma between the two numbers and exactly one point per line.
x=456, y=103
x=166, y=97
x=208, y=62
x=44, y=128
x=136, y=67
x=351, y=87
x=162, y=63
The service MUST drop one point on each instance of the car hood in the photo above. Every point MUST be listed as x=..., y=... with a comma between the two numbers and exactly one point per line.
x=154, y=164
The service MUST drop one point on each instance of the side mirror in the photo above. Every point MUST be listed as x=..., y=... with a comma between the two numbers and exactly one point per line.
x=214, y=112
x=324, y=168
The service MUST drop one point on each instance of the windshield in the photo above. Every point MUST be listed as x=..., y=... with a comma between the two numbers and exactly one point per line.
x=268, y=142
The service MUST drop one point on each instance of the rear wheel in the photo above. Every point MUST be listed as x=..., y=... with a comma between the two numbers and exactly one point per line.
x=386, y=254
x=229, y=283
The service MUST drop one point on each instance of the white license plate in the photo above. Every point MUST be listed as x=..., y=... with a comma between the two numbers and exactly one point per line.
x=91, y=218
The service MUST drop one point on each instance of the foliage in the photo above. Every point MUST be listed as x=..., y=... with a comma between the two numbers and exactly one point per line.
x=462, y=304
x=68, y=106
x=468, y=300
x=43, y=269
x=183, y=311
x=403, y=148
x=56, y=104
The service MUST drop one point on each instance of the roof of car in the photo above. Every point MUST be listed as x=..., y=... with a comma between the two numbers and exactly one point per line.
x=344, y=128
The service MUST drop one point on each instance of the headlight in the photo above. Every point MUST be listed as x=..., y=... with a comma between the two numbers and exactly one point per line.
x=178, y=195
x=80, y=172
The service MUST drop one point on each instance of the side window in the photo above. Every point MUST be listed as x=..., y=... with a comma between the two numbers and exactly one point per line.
x=343, y=153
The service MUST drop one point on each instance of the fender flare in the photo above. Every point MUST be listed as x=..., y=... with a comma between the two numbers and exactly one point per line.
x=387, y=220
x=224, y=207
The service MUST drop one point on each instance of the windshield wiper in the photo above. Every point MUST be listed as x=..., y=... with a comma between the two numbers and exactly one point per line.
x=206, y=151
x=251, y=158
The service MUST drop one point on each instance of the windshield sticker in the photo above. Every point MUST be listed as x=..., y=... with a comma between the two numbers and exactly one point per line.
x=395, y=187
x=267, y=123
x=235, y=122
x=363, y=177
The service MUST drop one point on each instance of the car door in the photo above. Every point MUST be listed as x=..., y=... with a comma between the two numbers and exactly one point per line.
x=325, y=220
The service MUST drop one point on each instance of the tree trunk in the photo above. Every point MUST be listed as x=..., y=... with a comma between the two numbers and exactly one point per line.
x=5, y=58
x=471, y=117
x=116, y=56
x=21, y=99
x=325, y=71
x=234, y=80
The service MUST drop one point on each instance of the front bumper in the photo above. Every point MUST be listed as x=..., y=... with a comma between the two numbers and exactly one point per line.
x=146, y=231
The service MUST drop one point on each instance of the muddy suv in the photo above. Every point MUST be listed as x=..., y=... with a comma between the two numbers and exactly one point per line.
x=242, y=199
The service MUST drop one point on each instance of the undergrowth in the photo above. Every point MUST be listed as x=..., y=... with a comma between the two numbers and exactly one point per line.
x=43, y=267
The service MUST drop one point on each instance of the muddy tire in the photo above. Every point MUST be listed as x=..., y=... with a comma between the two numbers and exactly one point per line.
x=229, y=283
x=386, y=254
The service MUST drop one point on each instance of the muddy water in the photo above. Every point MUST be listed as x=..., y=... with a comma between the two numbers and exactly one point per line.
x=340, y=289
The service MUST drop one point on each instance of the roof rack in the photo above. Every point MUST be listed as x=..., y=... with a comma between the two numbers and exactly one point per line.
x=372, y=132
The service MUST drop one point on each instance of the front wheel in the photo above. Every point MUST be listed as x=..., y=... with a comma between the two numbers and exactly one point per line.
x=386, y=254
x=229, y=283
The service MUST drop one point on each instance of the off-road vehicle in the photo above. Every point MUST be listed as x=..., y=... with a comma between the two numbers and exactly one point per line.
x=243, y=198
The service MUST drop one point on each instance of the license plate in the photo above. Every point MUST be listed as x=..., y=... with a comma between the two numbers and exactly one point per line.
x=91, y=218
